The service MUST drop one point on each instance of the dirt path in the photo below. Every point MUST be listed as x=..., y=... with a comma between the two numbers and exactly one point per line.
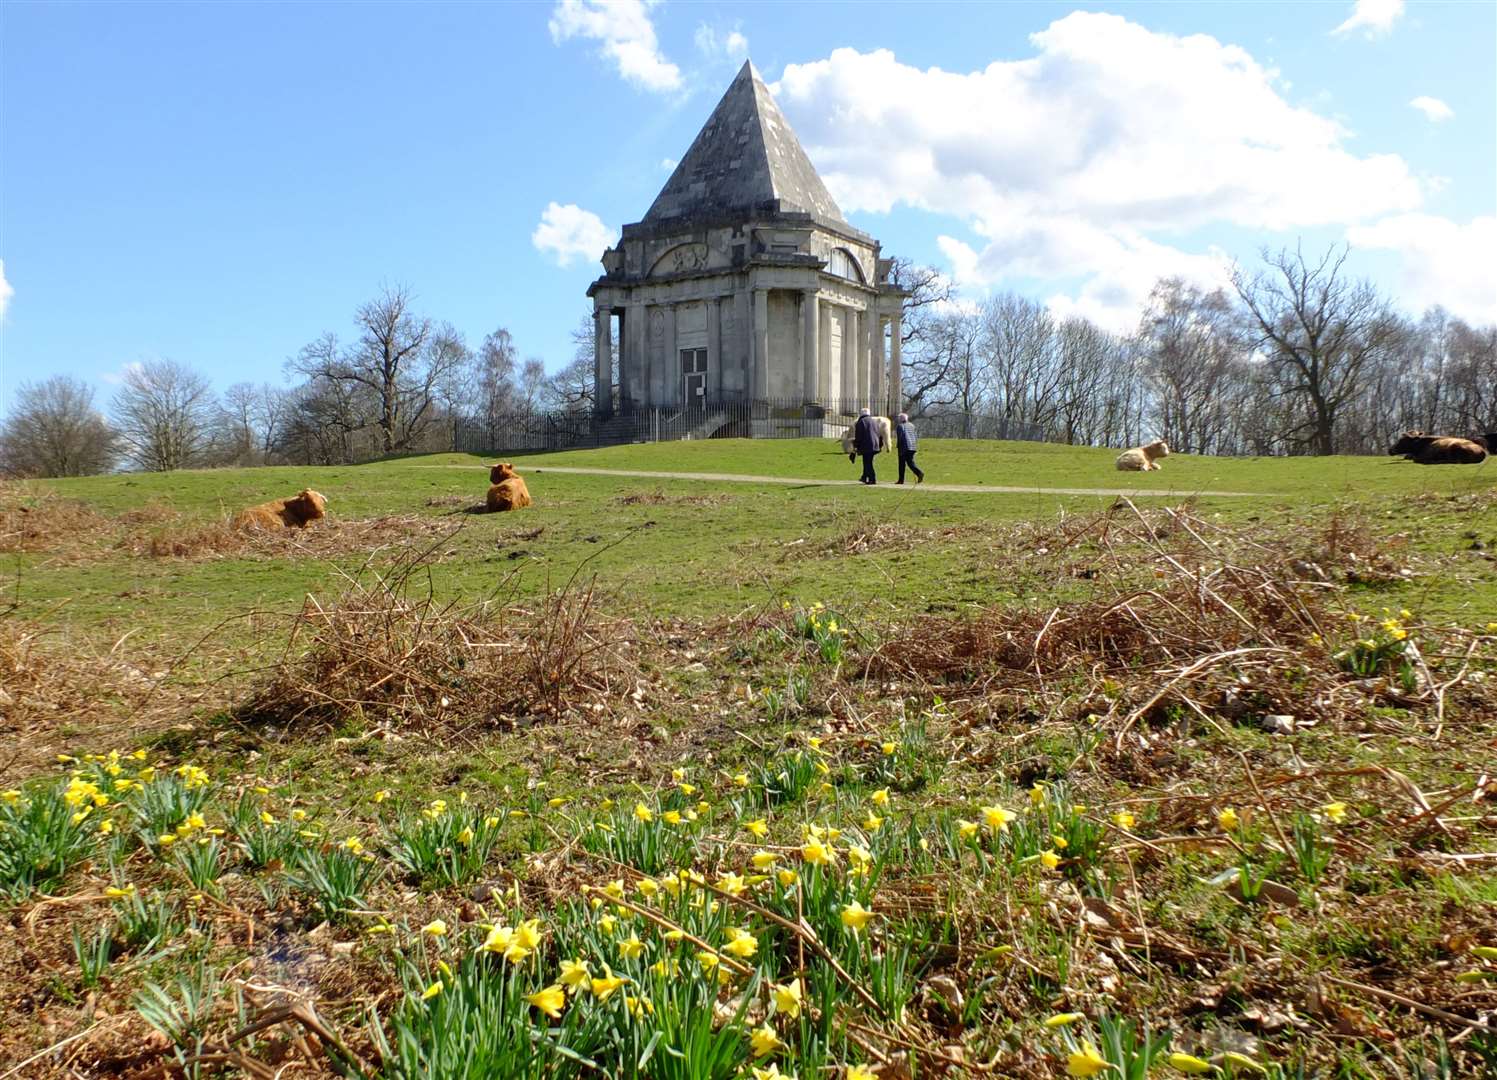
x=976, y=489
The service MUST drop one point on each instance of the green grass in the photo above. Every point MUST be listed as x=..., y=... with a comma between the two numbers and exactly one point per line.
x=713, y=546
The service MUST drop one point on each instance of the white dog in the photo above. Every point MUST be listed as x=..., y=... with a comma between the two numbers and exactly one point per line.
x=885, y=434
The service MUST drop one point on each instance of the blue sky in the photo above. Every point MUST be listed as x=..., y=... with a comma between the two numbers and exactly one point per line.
x=222, y=183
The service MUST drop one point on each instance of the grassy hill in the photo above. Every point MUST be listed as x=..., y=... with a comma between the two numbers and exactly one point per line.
x=878, y=782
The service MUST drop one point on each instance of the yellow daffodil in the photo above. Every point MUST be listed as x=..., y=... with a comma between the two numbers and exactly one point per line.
x=786, y=877
x=740, y=779
x=298, y=815
x=614, y=890
x=606, y=805
x=764, y=1041
x=639, y=1006
x=106, y=827
x=647, y=887
x=528, y=934
x=817, y=853
x=605, y=986
x=758, y=827
x=880, y=797
x=380, y=927
x=576, y=976
x=860, y=1072
x=1037, y=795
x=704, y=807
x=708, y=960
x=996, y=818
x=787, y=998
x=119, y=892
x=353, y=845
x=1059, y=843
x=674, y=935
x=1227, y=819
x=631, y=947
x=549, y=1001
x=607, y=923
x=1062, y=1019
x=1085, y=1062
x=855, y=916
x=1334, y=812
x=643, y=812
x=381, y=795
x=771, y=1073
x=741, y=943
x=888, y=748
x=1188, y=1063
x=166, y=839
x=1049, y=860
x=966, y=829
x=11, y=796
x=859, y=856
x=731, y=883
x=763, y=860
x=687, y=789
x=465, y=837
x=1124, y=820
x=671, y=817
x=436, y=928
x=266, y=818
x=432, y=991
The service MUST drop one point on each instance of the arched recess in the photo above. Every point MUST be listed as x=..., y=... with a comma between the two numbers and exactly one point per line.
x=842, y=264
x=681, y=259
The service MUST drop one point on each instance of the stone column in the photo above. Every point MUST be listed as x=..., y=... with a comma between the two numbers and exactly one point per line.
x=825, y=391
x=860, y=357
x=669, y=391
x=810, y=347
x=896, y=363
x=714, y=348
x=852, y=327
x=761, y=344
x=602, y=362
x=877, y=369
x=636, y=353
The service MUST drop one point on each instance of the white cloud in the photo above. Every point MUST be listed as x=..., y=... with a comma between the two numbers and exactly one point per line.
x=1434, y=109
x=668, y=164
x=627, y=36
x=570, y=232
x=115, y=378
x=6, y=292
x=1081, y=160
x=1373, y=17
x=709, y=42
x=1441, y=261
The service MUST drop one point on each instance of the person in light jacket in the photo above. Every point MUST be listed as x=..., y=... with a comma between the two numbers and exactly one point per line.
x=867, y=440
x=906, y=441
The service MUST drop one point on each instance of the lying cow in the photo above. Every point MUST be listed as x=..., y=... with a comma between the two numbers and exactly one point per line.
x=507, y=490
x=297, y=512
x=885, y=437
x=1143, y=458
x=1438, y=449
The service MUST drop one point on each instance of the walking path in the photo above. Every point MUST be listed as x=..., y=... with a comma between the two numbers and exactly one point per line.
x=976, y=489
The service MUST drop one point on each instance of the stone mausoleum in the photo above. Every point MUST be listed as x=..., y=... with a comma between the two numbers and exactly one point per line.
x=744, y=289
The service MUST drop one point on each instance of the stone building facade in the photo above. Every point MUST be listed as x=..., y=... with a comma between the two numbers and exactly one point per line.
x=743, y=283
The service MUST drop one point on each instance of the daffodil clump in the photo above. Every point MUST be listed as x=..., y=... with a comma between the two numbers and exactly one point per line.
x=1381, y=647
x=824, y=630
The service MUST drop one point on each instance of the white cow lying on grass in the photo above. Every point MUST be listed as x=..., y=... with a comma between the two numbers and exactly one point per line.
x=885, y=434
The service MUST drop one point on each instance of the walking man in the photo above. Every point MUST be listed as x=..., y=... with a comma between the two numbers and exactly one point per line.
x=867, y=440
x=905, y=441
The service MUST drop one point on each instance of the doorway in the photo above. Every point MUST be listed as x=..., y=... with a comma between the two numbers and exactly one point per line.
x=694, y=378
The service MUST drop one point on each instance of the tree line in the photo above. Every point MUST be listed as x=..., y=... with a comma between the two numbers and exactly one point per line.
x=401, y=384
x=1297, y=357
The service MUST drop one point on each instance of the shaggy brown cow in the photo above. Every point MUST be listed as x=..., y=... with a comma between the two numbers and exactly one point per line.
x=1143, y=458
x=507, y=490
x=1438, y=449
x=297, y=512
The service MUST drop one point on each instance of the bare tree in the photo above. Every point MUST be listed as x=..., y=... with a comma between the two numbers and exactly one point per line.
x=53, y=429
x=1319, y=332
x=400, y=357
x=164, y=412
x=923, y=360
x=570, y=390
x=1188, y=339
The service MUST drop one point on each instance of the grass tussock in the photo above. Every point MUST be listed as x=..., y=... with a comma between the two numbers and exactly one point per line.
x=387, y=652
x=46, y=523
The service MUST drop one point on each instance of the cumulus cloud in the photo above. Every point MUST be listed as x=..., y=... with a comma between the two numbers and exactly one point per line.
x=1082, y=159
x=6, y=292
x=627, y=36
x=1373, y=17
x=1440, y=261
x=570, y=232
x=1434, y=109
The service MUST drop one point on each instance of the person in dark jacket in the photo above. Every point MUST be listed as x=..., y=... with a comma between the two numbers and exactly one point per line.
x=905, y=442
x=867, y=440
